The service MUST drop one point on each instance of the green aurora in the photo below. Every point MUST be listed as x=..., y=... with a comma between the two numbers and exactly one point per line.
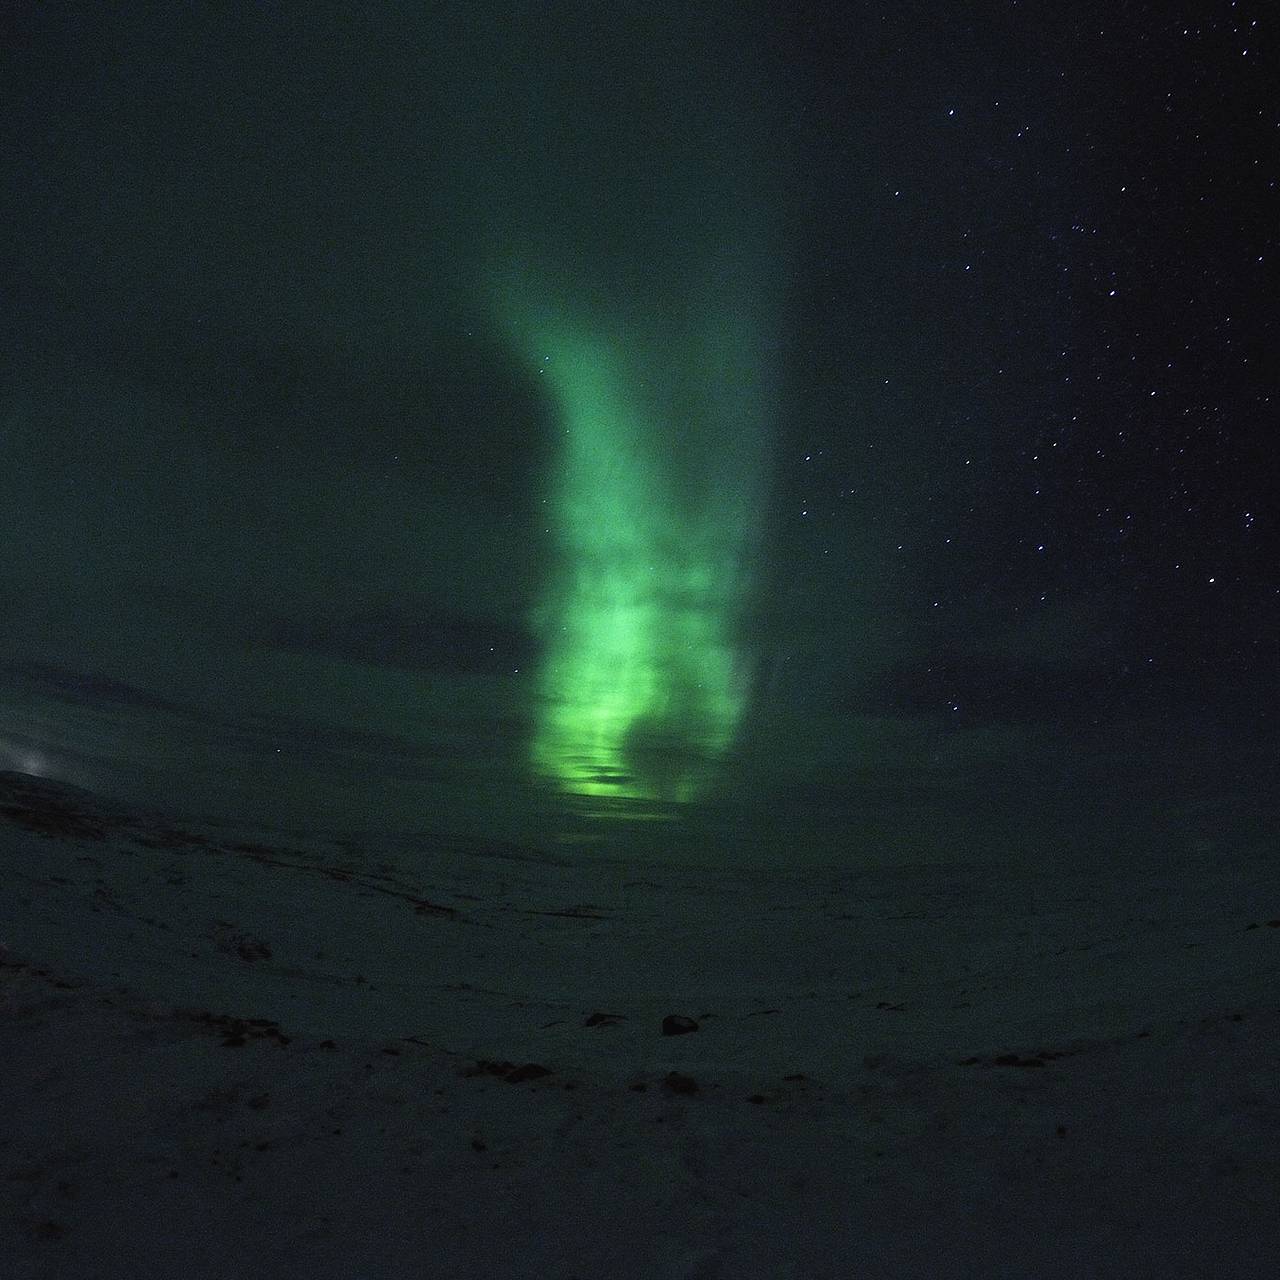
x=653, y=502
x=623, y=196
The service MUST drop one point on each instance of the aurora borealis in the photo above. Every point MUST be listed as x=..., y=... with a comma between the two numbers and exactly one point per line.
x=637, y=286
x=655, y=477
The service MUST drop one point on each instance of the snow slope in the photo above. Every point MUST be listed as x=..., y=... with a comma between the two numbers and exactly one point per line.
x=232, y=1053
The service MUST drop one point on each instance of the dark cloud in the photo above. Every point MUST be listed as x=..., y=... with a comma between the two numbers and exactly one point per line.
x=254, y=734
x=450, y=643
x=90, y=688
x=261, y=732
x=972, y=689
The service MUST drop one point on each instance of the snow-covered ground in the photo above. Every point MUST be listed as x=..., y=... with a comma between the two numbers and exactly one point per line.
x=238, y=1053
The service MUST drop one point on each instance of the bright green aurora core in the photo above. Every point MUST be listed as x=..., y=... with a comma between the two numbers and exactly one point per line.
x=652, y=502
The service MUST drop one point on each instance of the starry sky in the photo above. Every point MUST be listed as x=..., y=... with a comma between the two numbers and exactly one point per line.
x=769, y=432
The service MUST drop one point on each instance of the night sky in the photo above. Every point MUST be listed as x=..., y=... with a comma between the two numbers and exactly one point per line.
x=775, y=433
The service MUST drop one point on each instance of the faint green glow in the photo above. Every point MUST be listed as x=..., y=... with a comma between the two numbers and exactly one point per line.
x=642, y=686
